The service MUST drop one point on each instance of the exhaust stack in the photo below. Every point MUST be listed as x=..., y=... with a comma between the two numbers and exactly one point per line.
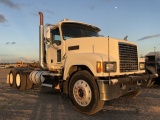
x=42, y=52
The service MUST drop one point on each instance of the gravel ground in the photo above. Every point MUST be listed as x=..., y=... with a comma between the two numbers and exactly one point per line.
x=43, y=103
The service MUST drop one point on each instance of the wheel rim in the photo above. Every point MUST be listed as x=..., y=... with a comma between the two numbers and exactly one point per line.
x=82, y=93
x=18, y=80
x=11, y=78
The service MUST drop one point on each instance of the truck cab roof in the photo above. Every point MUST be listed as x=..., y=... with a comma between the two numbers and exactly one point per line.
x=75, y=22
x=153, y=53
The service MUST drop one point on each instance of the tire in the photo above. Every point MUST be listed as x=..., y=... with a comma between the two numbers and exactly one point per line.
x=12, y=81
x=132, y=94
x=84, y=93
x=20, y=80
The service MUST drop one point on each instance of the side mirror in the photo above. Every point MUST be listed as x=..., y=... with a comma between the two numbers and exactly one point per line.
x=47, y=33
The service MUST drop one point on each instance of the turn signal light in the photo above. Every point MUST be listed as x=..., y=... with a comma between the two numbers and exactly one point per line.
x=99, y=67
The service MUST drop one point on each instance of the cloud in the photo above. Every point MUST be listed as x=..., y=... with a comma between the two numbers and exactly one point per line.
x=2, y=55
x=92, y=7
x=24, y=58
x=2, y=19
x=48, y=11
x=10, y=4
x=13, y=43
x=35, y=14
x=147, y=37
x=7, y=43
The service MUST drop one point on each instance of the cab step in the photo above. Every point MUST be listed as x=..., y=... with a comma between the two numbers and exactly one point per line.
x=46, y=85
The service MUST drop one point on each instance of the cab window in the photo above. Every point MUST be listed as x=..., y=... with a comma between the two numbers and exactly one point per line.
x=55, y=36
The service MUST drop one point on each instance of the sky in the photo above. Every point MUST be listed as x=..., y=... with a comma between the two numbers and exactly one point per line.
x=19, y=23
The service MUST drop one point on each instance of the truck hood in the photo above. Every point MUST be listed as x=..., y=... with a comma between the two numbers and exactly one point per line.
x=96, y=45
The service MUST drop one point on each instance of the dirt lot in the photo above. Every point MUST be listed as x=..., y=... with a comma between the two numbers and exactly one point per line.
x=47, y=104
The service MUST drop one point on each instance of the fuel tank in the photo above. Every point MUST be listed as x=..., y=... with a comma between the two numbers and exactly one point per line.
x=37, y=76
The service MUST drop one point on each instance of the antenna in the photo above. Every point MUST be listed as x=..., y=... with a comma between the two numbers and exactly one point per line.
x=108, y=57
x=155, y=59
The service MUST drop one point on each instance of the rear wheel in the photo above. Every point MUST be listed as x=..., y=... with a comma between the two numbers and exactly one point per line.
x=12, y=78
x=20, y=80
x=84, y=93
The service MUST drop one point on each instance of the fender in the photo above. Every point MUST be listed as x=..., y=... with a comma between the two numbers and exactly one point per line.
x=87, y=59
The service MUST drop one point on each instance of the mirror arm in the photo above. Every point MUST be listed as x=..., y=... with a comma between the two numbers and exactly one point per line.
x=46, y=41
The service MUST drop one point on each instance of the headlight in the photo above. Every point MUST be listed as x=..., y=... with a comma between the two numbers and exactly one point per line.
x=109, y=66
x=141, y=65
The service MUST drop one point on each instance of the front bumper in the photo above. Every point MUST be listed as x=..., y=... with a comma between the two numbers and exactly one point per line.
x=114, y=88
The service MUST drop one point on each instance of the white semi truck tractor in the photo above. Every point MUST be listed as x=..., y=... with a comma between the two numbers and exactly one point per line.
x=89, y=68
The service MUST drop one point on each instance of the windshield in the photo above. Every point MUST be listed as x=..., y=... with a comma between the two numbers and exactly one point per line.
x=74, y=30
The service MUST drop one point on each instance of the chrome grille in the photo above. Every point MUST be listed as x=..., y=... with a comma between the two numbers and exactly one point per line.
x=128, y=57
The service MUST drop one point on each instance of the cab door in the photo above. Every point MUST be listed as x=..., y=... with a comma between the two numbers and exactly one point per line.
x=54, y=50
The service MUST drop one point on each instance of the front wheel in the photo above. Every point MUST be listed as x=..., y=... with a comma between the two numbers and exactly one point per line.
x=84, y=93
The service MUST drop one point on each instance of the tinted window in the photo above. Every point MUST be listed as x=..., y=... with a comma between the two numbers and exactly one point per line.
x=72, y=30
